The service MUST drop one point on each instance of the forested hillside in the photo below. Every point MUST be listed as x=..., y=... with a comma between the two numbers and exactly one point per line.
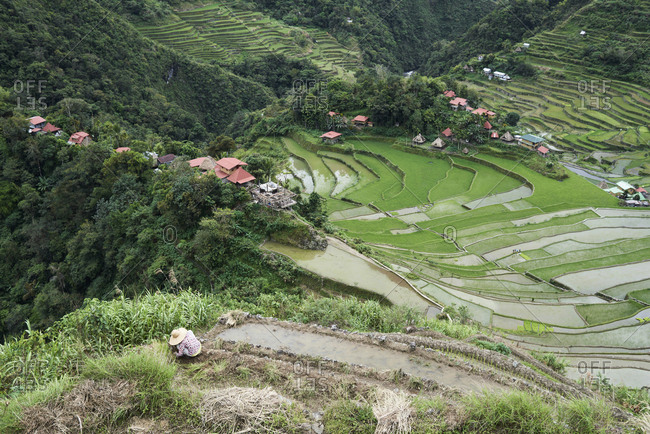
x=92, y=64
x=396, y=34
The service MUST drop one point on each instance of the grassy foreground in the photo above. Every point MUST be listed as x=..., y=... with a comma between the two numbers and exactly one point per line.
x=96, y=373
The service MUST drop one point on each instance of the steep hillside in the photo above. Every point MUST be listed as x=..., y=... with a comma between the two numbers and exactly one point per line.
x=397, y=35
x=223, y=32
x=80, y=51
x=583, y=84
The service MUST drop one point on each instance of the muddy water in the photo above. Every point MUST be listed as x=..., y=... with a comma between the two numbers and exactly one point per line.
x=342, y=350
x=500, y=198
x=301, y=170
x=341, y=265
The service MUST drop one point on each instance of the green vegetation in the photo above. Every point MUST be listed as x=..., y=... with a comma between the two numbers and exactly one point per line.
x=604, y=313
x=499, y=347
x=523, y=412
x=552, y=361
x=349, y=416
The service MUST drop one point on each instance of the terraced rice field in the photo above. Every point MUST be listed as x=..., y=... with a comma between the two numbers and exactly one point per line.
x=555, y=272
x=574, y=106
x=221, y=32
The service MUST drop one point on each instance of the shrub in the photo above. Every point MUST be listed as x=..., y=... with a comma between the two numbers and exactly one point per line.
x=552, y=361
x=499, y=347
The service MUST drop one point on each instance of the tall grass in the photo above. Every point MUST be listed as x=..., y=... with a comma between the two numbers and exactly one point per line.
x=99, y=327
x=107, y=327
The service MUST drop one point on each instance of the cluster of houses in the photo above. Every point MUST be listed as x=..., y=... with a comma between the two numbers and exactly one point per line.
x=39, y=126
x=630, y=195
x=496, y=74
x=332, y=137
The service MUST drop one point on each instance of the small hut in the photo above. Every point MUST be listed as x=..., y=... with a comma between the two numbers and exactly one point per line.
x=603, y=185
x=494, y=135
x=447, y=133
x=438, y=144
x=487, y=125
x=507, y=137
x=331, y=137
x=465, y=151
x=418, y=140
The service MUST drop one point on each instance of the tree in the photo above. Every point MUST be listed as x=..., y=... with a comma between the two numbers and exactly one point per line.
x=221, y=144
x=512, y=119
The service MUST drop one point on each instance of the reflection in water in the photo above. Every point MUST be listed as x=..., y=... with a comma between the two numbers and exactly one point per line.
x=340, y=265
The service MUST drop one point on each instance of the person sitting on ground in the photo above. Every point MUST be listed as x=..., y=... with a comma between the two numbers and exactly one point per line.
x=186, y=343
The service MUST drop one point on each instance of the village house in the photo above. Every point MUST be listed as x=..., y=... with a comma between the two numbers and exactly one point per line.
x=487, y=125
x=79, y=138
x=166, y=159
x=469, y=109
x=542, y=151
x=35, y=124
x=332, y=114
x=447, y=133
x=438, y=144
x=232, y=170
x=331, y=137
x=507, y=137
x=494, y=135
x=203, y=163
x=418, y=140
x=449, y=94
x=51, y=129
x=457, y=102
x=626, y=187
x=360, y=121
x=530, y=141
x=122, y=149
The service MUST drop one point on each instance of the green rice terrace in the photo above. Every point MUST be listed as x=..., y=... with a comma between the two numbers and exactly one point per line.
x=553, y=266
x=573, y=104
x=220, y=32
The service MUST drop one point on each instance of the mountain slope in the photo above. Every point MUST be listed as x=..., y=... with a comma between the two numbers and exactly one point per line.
x=78, y=49
x=395, y=34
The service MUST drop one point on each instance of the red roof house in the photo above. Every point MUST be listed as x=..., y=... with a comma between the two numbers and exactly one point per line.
x=480, y=111
x=36, y=122
x=449, y=93
x=331, y=136
x=456, y=102
x=122, y=149
x=240, y=176
x=196, y=162
x=232, y=170
x=79, y=138
x=360, y=120
x=447, y=133
x=230, y=163
x=333, y=114
x=49, y=128
x=542, y=150
x=487, y=125
x=641, y=190
x=494, y=135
